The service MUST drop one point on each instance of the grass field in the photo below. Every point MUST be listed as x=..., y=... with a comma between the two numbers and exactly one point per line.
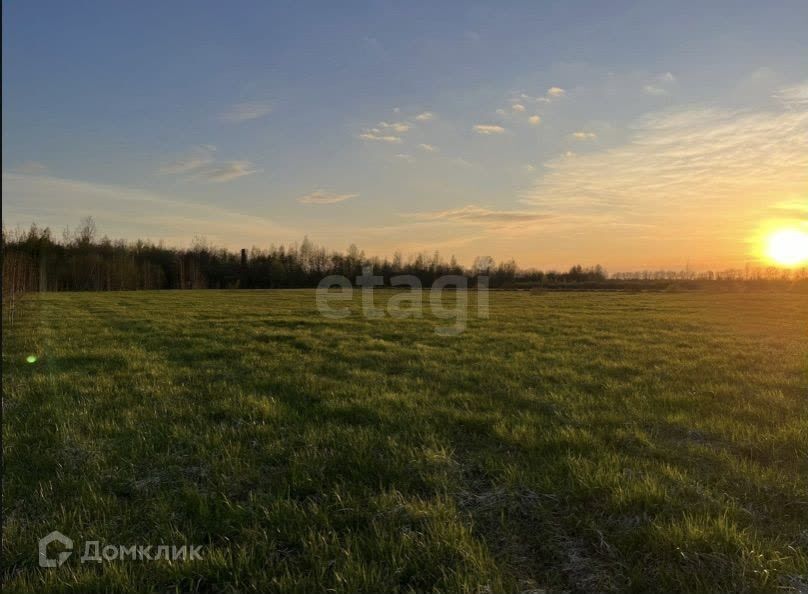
x=570, y=442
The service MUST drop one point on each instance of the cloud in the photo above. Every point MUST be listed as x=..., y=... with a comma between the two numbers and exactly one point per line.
x=661, y=85
x=225, y=171
x=324, y=197
x=488, y=129
x=654, y=90
x=200, y=163
x=132, y=212
x=534, y=120
x=199, y=156
x=580, y=135
x=425, y=116
x=518, y=107
x=376, y=135
x=386, y=132
x=31, y=168
x=476, y=215
x=399, y=127
x=429, y=148
x=461, y=162
x=243, y=112
x=794, y=97
x=552, y=94
x=704, y=176
x=405, y=157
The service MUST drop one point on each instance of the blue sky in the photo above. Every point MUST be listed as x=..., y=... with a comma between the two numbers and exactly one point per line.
x=634, y=134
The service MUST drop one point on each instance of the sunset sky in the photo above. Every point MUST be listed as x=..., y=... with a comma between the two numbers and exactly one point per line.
x=630, y=134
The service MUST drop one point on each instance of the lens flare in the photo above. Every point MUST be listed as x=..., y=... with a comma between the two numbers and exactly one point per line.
x=31, y=358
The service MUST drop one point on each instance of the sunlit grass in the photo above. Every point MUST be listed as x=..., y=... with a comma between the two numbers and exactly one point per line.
x=571, y=442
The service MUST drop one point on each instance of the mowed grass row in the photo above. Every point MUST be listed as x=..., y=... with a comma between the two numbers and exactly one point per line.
x=570, y=442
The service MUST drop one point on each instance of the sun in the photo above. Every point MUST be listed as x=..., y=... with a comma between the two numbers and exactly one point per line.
x=788, y=247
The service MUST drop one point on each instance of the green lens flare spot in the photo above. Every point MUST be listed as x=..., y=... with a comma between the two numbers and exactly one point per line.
x=31, y=358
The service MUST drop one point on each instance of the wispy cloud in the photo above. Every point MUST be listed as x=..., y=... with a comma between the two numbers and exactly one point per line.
x=534, y=120
x=794, y=97
x=225, y=171
x=200, y=163
x=582, y=135
x=325, y=197
x=520, y=99
x=199, y=156
x=399, y=127
x=488, y=129
x=476, y=215
x=376, y=135
x=661, y=85
x=385, y=132
x=429, y=148
x=739, y=162
x=392, y=132
x=132, y=212
x=243, y=112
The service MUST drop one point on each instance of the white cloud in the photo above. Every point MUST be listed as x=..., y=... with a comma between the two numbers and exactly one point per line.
x=654, y=90
x=399, y=127
x=534, y=120
x=518, y=107
x=375, y=134
x=429, y=148
x=580, y=135
x=324, y=197
x=661, y=85
x=200, y=163
x=488, y=129
x=425, y=116
x=243, y=112
x=794, y=97
x=552, y=94
x=386, y=132
x=406, y=157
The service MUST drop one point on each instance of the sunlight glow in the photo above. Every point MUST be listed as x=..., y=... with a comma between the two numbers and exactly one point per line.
x=788, y=247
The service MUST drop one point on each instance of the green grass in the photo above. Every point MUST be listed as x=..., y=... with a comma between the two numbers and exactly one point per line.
x=571, y=442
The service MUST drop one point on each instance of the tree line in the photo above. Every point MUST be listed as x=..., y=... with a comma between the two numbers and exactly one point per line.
x=81, y=261
x=35, y=260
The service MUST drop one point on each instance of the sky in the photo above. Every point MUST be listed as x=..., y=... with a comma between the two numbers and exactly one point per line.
x=635, y=135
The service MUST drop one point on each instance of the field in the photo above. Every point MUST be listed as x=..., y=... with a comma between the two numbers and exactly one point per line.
x=578, y=442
